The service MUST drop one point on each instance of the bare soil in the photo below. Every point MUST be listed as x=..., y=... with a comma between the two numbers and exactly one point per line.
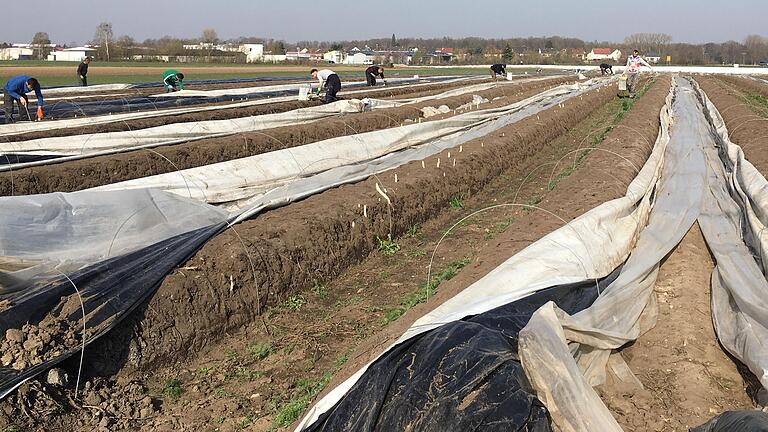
x=744, y=84
x=747, y=121
x=97, y=171
x=687, y=377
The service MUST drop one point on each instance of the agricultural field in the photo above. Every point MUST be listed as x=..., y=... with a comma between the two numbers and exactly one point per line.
x=64, y=73
x=423, y=256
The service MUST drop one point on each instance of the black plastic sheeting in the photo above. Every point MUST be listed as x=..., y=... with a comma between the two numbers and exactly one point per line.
x=733, y=421
x=462, y=376
x=17, y=158
x=223, y=81
x=110, y=291
x=70, y=109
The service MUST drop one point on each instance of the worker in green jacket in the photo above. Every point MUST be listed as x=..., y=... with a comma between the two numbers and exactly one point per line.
x=173, y=81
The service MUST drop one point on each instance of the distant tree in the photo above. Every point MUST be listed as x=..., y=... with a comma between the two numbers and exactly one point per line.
x=210, y=36
x=104, y=35
x=336, y=47
x=123, y=46
x=209, y=39
x=40, y=43
x=548, y=44
x=507, y=54
x=393, y=43
x=756, y=48
x=648, y=42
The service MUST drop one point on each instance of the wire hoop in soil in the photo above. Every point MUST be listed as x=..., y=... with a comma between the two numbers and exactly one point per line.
x=524, y=206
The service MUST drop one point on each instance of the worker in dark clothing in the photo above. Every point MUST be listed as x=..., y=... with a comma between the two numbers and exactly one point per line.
x=328, y=80
x=15, y=90
x=498, y=69
x=372, y=72
x=82, y=71
x=606, y=69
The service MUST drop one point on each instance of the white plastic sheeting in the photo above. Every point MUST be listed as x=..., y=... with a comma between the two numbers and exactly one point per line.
x=564, y=384
x=22, y=127
x=736, y=206
x=706, y=178
x=110, y=142
x=66, y=232
x=242, y=179
x=273, y=88
x=75, y=147
x=89, y=89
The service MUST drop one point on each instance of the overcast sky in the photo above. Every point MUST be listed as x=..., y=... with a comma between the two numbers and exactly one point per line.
x=292, y=20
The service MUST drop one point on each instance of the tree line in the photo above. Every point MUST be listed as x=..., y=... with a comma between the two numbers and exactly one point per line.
x=551, y=49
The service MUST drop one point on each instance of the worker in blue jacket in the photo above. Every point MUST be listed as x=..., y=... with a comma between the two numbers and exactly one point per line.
x=15, y=90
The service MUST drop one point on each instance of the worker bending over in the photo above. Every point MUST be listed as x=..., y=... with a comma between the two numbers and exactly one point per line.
x=16, y=91
x=634, y=63
x=82, y=71
x=173, y=81
x=372, y=72
x=328, y=80
x=606, y=69
x=498, y=69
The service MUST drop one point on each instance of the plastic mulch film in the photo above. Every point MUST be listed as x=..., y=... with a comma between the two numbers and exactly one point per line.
x=85, y=259
x=238, y=181
x=461, y=376
x=732, y=421
x=583, y=252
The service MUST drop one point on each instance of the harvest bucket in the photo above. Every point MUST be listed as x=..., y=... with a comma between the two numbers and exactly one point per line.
x=303, y=93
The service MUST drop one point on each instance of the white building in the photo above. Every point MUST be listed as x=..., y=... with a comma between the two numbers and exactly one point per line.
x=652, y=58
x=360, y=58
x=274, y=58
x=335, y=56
x=212, y=47
x=16, y=53
x=71, y=54
x=604, y=54
x=253, y=52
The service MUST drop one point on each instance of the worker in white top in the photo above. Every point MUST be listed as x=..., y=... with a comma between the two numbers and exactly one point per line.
x=634, y=63
x=328, y=80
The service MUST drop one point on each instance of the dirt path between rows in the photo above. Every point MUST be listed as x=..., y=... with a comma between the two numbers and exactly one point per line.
x=97, y=171
x=688, y=377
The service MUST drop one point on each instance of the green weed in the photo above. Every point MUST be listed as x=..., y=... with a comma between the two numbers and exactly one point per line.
x=320, y=290
x=295, y=302
x=424, y=292
x=456, y=202
x=260, y=350
x=173, y=389
x=417, y=253
x=387, y=246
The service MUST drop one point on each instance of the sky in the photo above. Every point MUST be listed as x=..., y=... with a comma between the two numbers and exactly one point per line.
x=692, y=21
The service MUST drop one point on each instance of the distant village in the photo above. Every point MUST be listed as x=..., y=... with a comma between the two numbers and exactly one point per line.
x=654, y=47
x=365, y=55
